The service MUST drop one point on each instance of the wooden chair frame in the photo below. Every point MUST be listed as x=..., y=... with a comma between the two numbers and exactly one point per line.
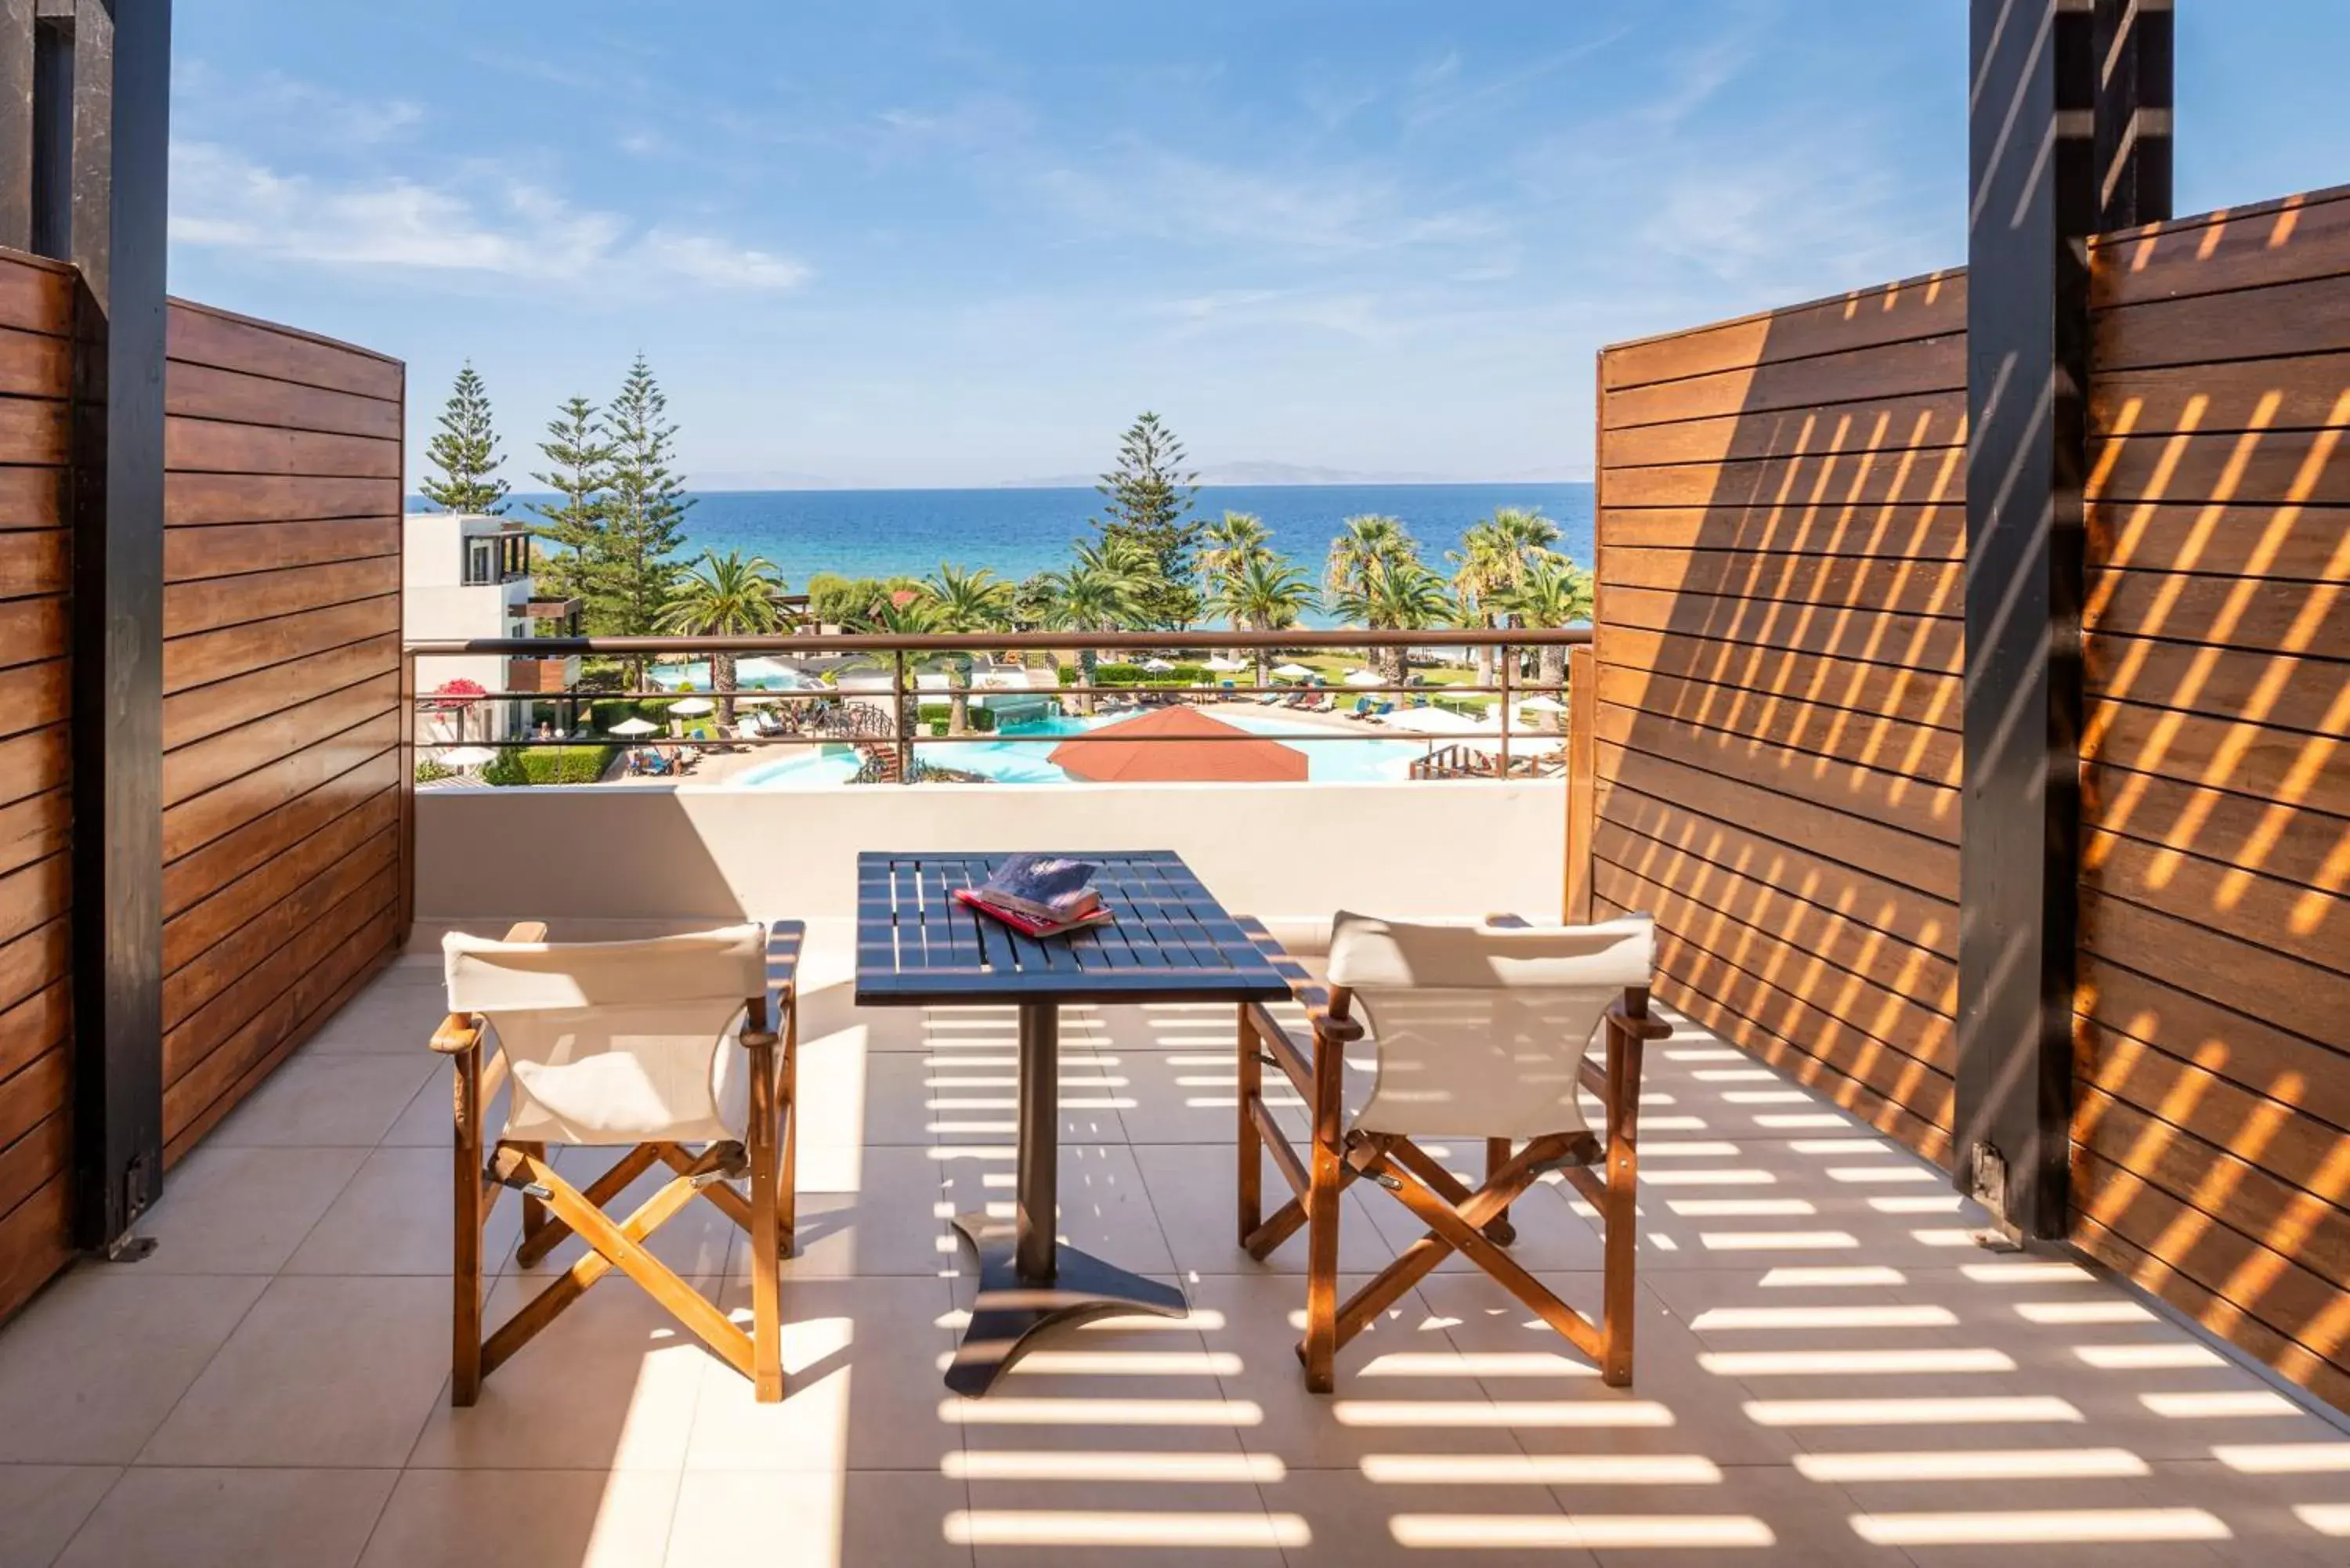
x=1472, y=1222
x=553, y=1208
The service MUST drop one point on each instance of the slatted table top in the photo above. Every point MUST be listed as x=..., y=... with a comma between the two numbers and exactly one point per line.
x=1171, y=941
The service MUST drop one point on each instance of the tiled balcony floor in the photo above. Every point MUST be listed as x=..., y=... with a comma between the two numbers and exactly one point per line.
x=1828, y=1372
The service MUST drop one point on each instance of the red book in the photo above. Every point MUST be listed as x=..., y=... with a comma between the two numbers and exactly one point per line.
x=1028, y=924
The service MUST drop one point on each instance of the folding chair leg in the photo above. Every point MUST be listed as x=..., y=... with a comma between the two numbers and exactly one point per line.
x=472, y=1200
x=533, y=1213
x=1619, y=1287
x=1325, y=1186
x=1497, y=1155
x=767, y=1262
x=787, y=1179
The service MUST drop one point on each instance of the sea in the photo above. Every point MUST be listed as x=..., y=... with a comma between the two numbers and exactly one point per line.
x=1016, y=532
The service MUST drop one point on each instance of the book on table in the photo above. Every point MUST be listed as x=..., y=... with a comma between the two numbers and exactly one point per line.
x=1040, y=895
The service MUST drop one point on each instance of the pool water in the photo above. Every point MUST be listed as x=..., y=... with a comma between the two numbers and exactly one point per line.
x=1023, y=757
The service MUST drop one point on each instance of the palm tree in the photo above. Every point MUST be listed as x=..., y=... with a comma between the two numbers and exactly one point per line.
x=1494, y=558
x=1265, y=593
x=1554, y=593
x=1401, y=596
x=1226, y=545
x=1096, y=592
x=960, y=599
x=725, y=596
x=1364, y=546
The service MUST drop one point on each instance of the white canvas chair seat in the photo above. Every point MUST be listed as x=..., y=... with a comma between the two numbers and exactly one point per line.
x=1480, y=1030
x=662, y=1046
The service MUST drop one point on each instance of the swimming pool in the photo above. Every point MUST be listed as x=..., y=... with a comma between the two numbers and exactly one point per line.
x=1024, y=755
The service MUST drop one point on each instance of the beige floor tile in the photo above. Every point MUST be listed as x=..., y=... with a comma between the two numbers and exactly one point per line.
x=851, y=1094
x=1017, y=1523
x=1414, y=1403
x=1753, y=1514
x=815, y=1521
x=2057, y=1522
x=96, y=1362
x=396, y=1216
x=319, y=1099
x=41, y=1506
x=428, y=1121
x=397, y=1015
x=863, y=1385
x=233, y=1518
x=325, y=1371
x=1129, y=1382
x=609, y=1385
x=1105, y=1209
x=1192, y=1191
x=1353, y=1522
x=872, y=1211
x=525, y=1519
x=231, y=1211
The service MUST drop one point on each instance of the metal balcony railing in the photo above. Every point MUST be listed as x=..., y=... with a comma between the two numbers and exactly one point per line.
x=884, y=720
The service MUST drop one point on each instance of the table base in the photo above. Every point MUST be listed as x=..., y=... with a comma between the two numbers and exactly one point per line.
x=1010, y=1313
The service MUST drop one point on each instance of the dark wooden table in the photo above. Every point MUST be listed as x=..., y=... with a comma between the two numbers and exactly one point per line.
x=1172, y=943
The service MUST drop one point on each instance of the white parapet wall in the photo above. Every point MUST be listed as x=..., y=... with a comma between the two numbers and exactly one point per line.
x=620, y=859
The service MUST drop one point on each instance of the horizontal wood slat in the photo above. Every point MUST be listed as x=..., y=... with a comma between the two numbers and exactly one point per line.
x=200, y=335
x=36, y=294
x=206, y=656
x=213, y=446
x=1818, y=585
x=32, y=497
x=1844, y=735
x=2298, y=769
x=2303, y=846
x=1923, y=533
x=1930, y=643
x=33, y=365
x=197, y=499
x=2255, y=538
x=1925, y=307
x=1907, y=696
x=2295, y=238
x=1893, y=424
x=1897, y=478
x=269, y=596
x=200, y=391
x=1863, y=376
x=2303, y=391
x=232, y=549
x=2286, y=320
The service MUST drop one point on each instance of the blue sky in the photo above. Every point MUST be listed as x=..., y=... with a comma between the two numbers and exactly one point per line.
x=943, y=242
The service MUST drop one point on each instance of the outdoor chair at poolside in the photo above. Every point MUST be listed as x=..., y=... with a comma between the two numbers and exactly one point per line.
x=680, y=1051
x=1360, y=710
x=1481, y=1031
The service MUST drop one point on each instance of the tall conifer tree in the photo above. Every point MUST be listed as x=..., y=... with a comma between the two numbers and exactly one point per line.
x=466, y=452
x=1146, y=498
x=644, y=504
x=580, y=467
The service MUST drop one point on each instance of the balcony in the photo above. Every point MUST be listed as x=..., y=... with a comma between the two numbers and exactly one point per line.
x=1829, y=1370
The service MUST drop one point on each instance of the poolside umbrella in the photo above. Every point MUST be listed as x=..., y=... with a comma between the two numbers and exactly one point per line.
x=691, y=708
x=1364, y=678
x=632, y=728
x=1542, y=705
x=1191, y=747
x=1219, y=663
x=1156, y=665
x=1291, y=672
x=467, y=757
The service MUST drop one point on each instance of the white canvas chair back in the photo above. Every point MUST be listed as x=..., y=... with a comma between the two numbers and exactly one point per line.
x=617, y=1042
x=1480, y=1029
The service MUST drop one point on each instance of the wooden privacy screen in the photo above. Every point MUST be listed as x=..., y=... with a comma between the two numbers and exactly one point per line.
x=1780, y=526
x=36, y=879
x=283, y=791
x=2213, y=1031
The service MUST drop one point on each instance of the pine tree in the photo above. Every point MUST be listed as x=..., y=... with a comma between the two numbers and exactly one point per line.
x=1147, y=496
x=579, y=469
x=466, y=452
x=644, y=504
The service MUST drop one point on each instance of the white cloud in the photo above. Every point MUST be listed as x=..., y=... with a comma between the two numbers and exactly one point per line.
x=491, y=227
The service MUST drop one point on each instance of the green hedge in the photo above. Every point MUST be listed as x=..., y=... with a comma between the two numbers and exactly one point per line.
x=936, y=716
x=549, y=765
x=1135, y=675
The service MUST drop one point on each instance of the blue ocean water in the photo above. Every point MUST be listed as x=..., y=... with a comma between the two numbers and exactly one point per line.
x=885, y=533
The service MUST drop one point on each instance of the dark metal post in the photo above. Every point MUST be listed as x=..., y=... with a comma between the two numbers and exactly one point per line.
x=1502, y=664
x=17, y=51
x=899, y=722
x=2135, y=53
x=1036, y=1251
x=120, y=73
x=2033, y=203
